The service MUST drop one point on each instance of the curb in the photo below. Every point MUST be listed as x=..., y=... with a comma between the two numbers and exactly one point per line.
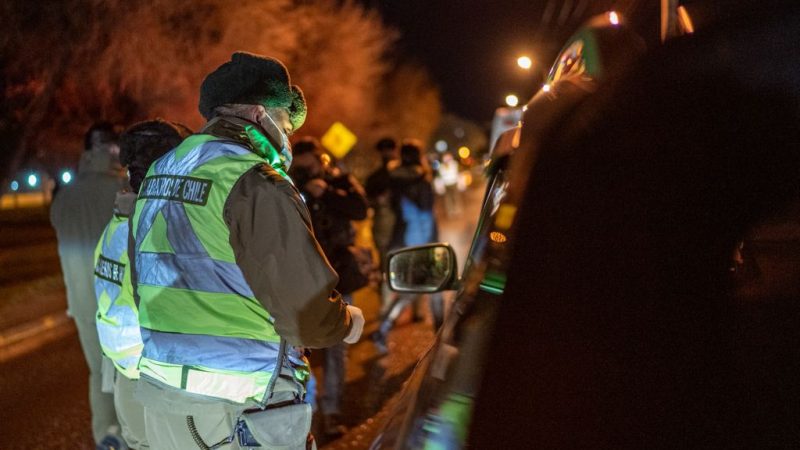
x=29, y=336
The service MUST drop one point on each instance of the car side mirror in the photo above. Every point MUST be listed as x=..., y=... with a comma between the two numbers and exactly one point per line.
x=422, y=269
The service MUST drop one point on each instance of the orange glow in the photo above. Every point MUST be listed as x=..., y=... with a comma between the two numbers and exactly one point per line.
x=463, y=152
x=685, y=20
x=498, y=237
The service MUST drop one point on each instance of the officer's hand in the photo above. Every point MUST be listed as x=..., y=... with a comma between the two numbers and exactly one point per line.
x=316, y=187
x=357, y=321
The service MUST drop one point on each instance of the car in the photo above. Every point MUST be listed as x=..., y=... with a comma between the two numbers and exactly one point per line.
x=605, y=301
x=437, y=401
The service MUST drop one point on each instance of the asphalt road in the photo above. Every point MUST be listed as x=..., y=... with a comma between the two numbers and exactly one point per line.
x=43, y=394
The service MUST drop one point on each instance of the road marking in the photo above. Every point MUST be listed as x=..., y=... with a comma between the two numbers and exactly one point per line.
x=32, y=335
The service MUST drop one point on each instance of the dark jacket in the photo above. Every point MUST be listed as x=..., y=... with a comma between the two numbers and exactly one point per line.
x=331, y=215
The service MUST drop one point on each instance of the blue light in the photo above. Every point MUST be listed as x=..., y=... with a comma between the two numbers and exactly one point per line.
x=66, y=176
x=14, y=186
x=33, y=180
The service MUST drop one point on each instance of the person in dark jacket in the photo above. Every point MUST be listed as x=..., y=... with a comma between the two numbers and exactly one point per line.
x=334, y=199
x=412, y=187
x=384, y=207
x=379, y=193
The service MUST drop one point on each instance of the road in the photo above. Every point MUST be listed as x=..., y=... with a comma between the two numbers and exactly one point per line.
x=43, y=394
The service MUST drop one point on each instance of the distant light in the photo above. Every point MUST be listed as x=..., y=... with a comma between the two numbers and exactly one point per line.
x=33, y=180
x=613, y=18
x=546, y=88
x=459, y=132
x=463, y=152
x=14, y=186
x=440, y=145
x=524, y=62
x=498, y=237
x=512, y=100
x=66, y=176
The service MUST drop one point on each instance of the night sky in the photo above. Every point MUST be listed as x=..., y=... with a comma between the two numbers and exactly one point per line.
x=471, y=46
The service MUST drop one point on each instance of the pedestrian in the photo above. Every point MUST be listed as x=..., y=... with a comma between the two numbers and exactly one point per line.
x=334, y=199
x=379, y=193
x=117, y=314
x=449, y=173
x=79, y=213
x=384, y=206
x=412, y=186
x=230, y=282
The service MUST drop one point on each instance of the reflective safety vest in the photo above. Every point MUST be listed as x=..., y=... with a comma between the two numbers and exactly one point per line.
x=117, y=317
x=204, y=331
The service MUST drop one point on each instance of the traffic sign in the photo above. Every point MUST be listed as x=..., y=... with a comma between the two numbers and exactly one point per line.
x=339, y=140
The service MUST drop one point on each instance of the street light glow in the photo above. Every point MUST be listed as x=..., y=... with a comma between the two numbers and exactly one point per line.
x=463, y=152
x=440, y=145
x=524, y=62
x=14, y=186
x=613, y=17
x=66, y=176
x=546, y=88
x=32, y=180
x=512, y=100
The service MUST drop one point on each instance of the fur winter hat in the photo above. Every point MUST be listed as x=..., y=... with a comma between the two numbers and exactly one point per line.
x=252, y=80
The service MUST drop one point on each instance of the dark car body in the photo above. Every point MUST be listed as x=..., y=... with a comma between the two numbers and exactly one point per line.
x=437, y=403
x=637, y=285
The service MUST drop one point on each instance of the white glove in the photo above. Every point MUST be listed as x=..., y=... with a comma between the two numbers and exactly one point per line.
x=357, y=324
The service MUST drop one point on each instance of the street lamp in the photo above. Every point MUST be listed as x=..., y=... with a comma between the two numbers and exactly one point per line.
x=32, y=180
x=524, y=62
x=512, y=100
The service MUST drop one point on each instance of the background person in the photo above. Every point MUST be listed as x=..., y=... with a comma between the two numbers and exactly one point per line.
x=384, y=206
x=412, y=187
x=79, y=214
x=334, y=199
x=117, y=314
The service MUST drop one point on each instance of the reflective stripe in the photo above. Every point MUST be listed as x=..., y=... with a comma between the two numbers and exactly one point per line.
x=194, y=273
x=213, y=352
x=111, y=289
x=120, y=331
x=169, y=165
x=118, y=321
x=223, y=385
x=115, y=247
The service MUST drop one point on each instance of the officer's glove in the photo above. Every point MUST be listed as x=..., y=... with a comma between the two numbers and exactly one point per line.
x=356, y=324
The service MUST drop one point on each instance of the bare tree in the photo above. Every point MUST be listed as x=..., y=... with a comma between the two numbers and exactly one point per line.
x=68, y=63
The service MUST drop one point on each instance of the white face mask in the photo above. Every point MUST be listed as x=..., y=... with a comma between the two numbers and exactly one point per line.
x=285, y=147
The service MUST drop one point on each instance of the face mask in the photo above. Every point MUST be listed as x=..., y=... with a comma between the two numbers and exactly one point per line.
x=285, y=147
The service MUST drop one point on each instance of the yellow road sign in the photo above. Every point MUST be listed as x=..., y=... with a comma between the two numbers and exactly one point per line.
x=338, y=140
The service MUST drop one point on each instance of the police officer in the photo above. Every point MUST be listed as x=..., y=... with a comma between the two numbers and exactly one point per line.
x=117, y=314
x=229, y=278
